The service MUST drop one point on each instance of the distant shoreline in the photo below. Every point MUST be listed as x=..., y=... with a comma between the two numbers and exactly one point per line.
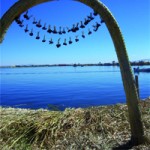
x=76, y=65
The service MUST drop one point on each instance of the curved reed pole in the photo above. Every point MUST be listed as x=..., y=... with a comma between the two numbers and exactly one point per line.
x=137, y=132
x=14, y=11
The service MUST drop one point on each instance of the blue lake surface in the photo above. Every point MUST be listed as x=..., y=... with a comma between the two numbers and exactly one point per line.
x=65, y=86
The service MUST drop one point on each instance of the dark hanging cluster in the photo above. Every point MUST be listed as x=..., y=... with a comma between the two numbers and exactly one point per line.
x=62, y=30
x=19, y=21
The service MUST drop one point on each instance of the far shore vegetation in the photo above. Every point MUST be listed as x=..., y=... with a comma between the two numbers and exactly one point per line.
x=113, y=63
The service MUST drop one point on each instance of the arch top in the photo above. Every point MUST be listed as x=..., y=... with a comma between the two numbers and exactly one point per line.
x=22, y=6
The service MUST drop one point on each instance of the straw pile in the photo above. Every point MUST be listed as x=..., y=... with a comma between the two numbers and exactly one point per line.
x=94, y=128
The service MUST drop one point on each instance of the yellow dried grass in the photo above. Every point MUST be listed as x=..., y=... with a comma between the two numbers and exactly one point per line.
x=96, y=128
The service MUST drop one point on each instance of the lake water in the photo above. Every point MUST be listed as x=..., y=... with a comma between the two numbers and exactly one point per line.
x=65, y=86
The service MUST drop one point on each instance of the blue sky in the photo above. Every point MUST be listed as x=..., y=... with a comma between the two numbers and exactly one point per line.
x=133, y=17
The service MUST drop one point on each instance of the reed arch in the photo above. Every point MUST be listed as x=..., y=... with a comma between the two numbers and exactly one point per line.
x=137, y=132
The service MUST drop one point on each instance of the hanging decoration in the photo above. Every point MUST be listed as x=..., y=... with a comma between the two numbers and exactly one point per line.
x=58, y=43
x=62, y=30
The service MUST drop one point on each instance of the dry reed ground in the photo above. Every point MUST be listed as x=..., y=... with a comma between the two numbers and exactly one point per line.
x=94, y=128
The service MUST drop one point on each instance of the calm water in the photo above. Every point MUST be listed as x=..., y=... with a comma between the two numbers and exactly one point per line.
x=65, y=86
